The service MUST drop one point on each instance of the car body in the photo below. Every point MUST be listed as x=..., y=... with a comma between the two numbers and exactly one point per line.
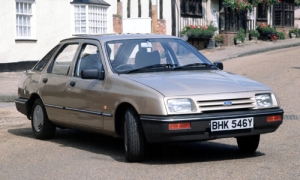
x=144, y=88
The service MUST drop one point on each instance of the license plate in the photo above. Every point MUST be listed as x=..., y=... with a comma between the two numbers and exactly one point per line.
x=231, y=124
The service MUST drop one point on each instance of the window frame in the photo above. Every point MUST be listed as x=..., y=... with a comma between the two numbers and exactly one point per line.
x=283, y=13
x=88, y=18
x=197, y=12
x=32, y=17
x=262, y=7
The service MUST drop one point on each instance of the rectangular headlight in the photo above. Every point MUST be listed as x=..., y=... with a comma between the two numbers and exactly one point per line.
x=180, y=105
x=264, y=100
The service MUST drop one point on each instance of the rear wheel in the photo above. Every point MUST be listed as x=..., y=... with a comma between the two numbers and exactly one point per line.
x=42, y=128
x=248, y=144
x=134, y=142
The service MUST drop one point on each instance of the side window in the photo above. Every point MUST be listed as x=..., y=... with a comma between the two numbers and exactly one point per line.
x=63, y=60
x=42, y=63
x=89, y=58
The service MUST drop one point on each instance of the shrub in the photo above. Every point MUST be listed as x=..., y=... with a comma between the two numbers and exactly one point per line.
x=263, y=28
x=281, y=35
x=199, y=31
x=253, y=33
x=241, y=35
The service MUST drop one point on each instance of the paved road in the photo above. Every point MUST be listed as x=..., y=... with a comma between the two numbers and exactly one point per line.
x=77, y=155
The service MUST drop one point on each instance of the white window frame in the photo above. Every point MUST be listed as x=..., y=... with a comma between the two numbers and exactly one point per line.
x=29, y=22
x=95, y=21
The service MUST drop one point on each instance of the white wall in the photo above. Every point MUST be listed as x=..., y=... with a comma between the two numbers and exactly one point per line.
x=52, y=25
x=297, y=17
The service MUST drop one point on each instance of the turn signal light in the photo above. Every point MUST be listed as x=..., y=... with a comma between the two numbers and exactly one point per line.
x=178, y=126
x=274, y=118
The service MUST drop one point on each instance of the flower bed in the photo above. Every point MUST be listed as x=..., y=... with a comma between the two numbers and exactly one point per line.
x=199, y=31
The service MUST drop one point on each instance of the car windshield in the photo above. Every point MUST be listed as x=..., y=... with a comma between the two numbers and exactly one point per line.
x=152, y=55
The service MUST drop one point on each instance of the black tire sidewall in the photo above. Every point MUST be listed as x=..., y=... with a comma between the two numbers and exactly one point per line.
x=135, y=137
x=248, y=144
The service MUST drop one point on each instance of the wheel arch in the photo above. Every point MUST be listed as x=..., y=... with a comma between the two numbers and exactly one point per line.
x=31, y=101
x=119, y=116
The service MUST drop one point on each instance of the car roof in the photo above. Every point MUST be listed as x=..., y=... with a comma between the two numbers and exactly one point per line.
x=111, y=37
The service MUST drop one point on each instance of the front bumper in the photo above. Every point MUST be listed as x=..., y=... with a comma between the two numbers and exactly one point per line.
x=156, y=127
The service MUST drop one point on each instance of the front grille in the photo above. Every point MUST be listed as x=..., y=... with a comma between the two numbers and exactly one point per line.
x=219, y=105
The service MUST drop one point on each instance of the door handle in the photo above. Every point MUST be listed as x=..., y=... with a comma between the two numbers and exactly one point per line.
x=72, y=83
x=45, y=80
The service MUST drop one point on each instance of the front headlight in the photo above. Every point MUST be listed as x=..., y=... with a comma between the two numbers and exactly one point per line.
x=180, y=105
x=263, y=100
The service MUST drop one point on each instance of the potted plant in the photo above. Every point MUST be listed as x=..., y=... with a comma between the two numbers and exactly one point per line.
x=239, y=38
x=204, y=31
x=219, y=39
x=293, y=33
x=266, y=32
x=199, y=36
x=253, y=34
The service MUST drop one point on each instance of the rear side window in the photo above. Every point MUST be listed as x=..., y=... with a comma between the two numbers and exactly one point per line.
x=42, y=63
x=62, y=62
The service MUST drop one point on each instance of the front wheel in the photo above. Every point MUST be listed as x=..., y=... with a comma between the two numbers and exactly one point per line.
x=134, y=140
x=248, y=144
x=41, y=126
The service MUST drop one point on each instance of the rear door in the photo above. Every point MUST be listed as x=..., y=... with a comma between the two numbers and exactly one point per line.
x=84, y=96
x=53, y=83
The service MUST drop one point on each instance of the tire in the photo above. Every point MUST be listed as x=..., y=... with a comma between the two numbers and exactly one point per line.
x=248, y=144
x=134, y=141
x=42, y=127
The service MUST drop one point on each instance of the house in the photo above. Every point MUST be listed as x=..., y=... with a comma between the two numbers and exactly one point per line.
x=30, y=28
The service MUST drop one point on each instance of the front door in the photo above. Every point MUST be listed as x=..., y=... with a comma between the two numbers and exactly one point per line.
x=84, y=96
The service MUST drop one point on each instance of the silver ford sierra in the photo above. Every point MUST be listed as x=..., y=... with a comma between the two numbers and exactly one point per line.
x=145, y=89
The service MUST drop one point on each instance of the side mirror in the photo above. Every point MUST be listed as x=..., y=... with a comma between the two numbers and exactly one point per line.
x=92, y=74
x=219, y=65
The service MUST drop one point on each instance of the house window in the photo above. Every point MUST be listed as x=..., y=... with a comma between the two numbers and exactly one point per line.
x=191, y=8
x=232, y=20
x=90, y=19
x=262, y=10
x=284, y=13
x=24, y=19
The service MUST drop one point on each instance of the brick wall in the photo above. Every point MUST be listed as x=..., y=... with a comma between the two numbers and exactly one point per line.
x=228, y=41
x=161, y=26
x=117, y=24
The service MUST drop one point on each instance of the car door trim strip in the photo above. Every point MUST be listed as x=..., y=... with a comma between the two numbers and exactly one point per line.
x=84, y=111
x=59, y=107
x=80, y=110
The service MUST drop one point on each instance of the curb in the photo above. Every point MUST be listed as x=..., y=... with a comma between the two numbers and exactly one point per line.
x=268, y=49
x=8, y=98
x=258, y=51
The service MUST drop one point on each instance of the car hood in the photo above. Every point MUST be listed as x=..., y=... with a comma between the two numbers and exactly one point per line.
x=176, y=83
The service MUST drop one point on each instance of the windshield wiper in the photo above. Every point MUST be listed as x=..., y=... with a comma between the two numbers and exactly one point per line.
x=195, y=65
x=155, y=66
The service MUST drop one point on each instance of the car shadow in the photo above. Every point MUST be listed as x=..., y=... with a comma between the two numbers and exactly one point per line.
x=167, y=153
